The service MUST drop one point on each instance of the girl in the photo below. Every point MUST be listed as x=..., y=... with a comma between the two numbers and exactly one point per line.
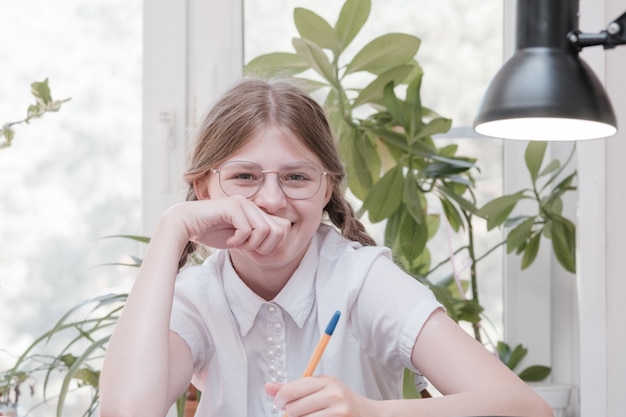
x=265, y=189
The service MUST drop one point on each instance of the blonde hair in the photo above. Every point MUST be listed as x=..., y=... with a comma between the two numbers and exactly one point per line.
x=253, y=104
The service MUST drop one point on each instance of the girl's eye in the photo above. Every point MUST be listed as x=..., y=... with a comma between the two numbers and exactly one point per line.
x=246, y=176
x=295, y=177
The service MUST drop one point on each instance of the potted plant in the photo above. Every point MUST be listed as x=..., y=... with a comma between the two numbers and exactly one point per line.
x=74, y=367
x=396, y=168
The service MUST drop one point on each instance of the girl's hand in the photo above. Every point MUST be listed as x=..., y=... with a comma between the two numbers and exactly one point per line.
x=320, y=396
x=230, y=222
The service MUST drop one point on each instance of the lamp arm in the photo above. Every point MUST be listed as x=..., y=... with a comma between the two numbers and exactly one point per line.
x=614, y=35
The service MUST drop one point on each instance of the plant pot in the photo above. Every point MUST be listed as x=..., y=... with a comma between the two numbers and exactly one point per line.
x=556, y=395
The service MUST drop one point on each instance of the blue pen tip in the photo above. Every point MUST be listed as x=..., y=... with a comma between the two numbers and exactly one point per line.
x=333, y=323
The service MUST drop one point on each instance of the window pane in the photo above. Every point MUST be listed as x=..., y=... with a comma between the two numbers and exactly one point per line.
x=72, y=177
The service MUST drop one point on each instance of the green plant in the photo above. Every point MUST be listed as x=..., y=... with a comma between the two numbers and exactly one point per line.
x=11, y=381
x=44, y=103
x=512, y=358
x=86, y=335
x=75, y=366
x=395, y=166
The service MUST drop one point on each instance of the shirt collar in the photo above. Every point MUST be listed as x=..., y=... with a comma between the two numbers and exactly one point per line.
x=296, y=297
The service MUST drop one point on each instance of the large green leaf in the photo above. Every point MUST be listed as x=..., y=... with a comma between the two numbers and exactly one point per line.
x=386, y=195
x=555, y=168
x=552, y=166
x=316, y=58
x=451, y=194
x=497, y=210
x=412, y=237
x=519, y=234
x=452, y=214
x=352, y=17
x=369, y=156
x=414, y=108
x=535, y=373
x=535, y=151
x=504, y=352
x=390, y=50
x=420, y=264
x=433, y=127
x=419, y=148
x=395, y=107
x=563, y=234
x=443, y=295
x=277, y=64
x=373, y=92
x=531, y=249
x=312, y=27
x=354, y=153
x=516, y=356
x=413, y=197
x=468, y=310
x=444, y=170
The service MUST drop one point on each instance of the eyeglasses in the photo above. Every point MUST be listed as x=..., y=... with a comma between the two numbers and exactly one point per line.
x=297, y=180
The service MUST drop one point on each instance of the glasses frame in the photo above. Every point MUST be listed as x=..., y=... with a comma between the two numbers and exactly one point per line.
x=271, y=171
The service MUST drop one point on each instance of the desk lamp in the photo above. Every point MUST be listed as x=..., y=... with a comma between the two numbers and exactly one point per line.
x=545, y=91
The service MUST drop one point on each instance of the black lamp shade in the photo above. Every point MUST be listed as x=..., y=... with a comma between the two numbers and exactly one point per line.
x=545, y=91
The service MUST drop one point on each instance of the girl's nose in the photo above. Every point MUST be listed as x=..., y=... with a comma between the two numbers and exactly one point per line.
x=270, y=196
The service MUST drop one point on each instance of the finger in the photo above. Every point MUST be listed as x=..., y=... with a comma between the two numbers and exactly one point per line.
x=271, y=388
x=259, y=230
x=290, y=393
x=266, y=241
x=244, y=217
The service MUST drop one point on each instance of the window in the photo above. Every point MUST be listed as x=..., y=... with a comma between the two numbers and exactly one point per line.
x=72, y=177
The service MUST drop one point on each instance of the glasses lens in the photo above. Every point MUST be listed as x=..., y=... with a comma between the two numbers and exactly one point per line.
x=300, y=180
x=240, y=178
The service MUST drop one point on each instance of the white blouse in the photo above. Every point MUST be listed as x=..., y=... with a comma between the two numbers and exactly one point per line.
x=240, y=341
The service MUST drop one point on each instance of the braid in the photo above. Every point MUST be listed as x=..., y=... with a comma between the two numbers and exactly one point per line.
x=342, y=215
x=190, y=247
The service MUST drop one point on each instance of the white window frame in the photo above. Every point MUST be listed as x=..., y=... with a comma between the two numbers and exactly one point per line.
x=192, y=53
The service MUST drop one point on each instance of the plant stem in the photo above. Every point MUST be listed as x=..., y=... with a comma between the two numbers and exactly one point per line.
x=473, y=274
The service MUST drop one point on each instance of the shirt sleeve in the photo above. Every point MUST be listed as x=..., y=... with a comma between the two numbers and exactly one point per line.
x=189, y=310
x=389, y=313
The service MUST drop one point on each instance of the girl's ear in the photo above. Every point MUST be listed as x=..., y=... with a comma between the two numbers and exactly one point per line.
x=201, y=189
x=329, y=191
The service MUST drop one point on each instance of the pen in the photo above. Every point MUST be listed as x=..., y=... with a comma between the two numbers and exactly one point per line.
x=319, y=350
x=321, y=345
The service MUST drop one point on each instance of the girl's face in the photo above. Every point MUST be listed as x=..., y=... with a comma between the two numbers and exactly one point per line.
x=272, y=149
